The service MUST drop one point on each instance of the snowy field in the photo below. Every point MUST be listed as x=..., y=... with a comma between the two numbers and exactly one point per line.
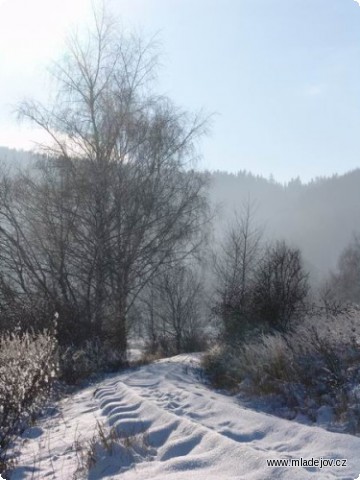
x=167, y=425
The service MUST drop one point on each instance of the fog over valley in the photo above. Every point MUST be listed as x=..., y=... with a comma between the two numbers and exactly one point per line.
x=319, y=217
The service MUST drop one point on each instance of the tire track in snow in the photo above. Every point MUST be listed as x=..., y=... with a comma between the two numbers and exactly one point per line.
x=193, y=433
x=188, y=422
x=177, y=442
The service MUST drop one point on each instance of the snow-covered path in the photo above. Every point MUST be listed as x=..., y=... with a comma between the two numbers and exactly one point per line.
x=192, y=432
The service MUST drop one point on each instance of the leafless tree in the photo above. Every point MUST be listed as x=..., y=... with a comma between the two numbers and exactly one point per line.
x=115, y=198
x=235, y=267
x=345, y=282
x=328, y=301
x=173, y=311
x=281, y=287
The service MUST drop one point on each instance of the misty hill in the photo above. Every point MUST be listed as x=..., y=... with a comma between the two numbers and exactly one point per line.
x=11, y=154
x=319, y=217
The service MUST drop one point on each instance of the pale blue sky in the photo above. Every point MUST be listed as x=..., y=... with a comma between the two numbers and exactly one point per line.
x=282, y=76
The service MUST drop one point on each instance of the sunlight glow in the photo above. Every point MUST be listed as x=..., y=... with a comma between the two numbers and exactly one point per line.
x=33, y=31
x=32, y=35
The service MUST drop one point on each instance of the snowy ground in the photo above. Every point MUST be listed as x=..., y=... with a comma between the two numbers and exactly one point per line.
x=192, y=432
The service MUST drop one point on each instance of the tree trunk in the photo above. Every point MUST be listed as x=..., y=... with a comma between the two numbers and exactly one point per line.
x=118, y=331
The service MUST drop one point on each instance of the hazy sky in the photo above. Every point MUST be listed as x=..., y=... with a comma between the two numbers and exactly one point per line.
x=283, y=76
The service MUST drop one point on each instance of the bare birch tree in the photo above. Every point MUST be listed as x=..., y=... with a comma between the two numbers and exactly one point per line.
x=116, y=198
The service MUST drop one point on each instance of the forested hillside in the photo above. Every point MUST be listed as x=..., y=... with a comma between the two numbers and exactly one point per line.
x=319, y=217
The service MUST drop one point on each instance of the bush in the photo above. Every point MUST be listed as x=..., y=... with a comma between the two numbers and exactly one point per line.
x=195, y=341
x=281, y=287
x=27, y=367
x=221, y=367
x=315, y=365
x=78, y=363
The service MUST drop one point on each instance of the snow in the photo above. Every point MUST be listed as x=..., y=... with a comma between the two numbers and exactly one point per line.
x=192, y=432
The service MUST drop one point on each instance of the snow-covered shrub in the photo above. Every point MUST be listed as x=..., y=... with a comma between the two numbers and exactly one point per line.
x=319, y=350
x=269, y=357
x=79, y=363
x=220, y=365
x=316, y=365
x=124, y=448
x=27, y=367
